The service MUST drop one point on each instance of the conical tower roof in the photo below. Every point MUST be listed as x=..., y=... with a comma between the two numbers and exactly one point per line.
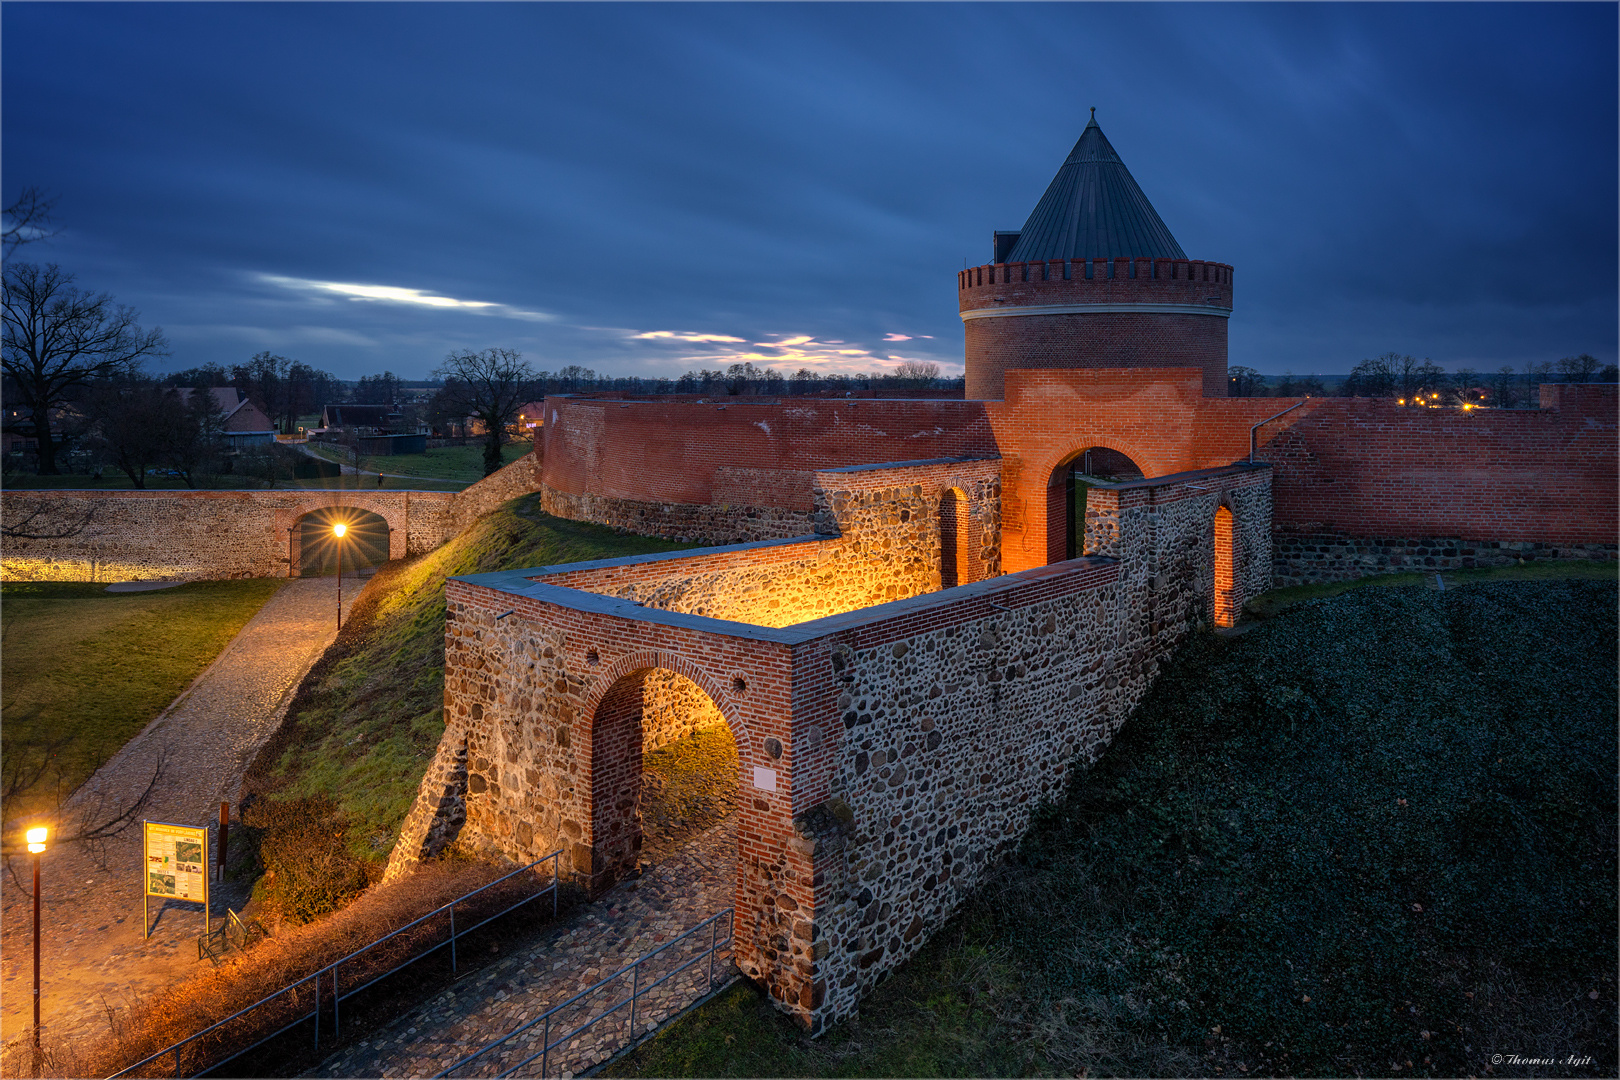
x=1094, y=209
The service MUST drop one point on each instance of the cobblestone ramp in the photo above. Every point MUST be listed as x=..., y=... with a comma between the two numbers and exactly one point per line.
x=629, y=921
x=93, y=954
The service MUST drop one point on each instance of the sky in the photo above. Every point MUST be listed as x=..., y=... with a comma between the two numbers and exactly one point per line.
x=646, y=189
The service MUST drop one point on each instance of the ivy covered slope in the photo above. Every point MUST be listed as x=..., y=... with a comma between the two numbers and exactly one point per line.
x=1375, y=835
x=367, y=720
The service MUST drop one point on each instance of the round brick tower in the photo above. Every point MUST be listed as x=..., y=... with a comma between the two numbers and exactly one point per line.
x=1093, y=279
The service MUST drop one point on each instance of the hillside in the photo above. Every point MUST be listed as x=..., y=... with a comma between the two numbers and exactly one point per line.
x=367, y=719
x=1375, y=835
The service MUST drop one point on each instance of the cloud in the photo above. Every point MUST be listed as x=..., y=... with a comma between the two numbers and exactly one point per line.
x=395, y=294
x=897, y=337
x=681, y=335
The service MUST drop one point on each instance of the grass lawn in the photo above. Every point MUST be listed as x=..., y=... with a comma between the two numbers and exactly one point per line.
x=464, y=464
x=86, y=670
x=1375, y=835
x=368, y=718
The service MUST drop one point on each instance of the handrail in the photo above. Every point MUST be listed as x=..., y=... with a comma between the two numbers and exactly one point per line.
x=175, y=1048
x=547, y=1044
x=1268, y=420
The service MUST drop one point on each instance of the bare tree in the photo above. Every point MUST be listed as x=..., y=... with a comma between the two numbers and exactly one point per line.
x=492, y=386
x=59, y=338
x=1504, y=387
x=26, y=218
x=1578, y=368
x=1245, y=382
x=917, y=373
x=135, y=425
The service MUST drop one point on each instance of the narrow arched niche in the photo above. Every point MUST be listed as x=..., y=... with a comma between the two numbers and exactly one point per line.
x=1228, y=600
x=955, y=538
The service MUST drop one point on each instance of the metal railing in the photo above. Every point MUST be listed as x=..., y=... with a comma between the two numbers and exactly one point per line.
x=333, y=970
x=637, y=992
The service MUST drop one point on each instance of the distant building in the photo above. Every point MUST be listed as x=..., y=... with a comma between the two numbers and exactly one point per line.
x=245, y=423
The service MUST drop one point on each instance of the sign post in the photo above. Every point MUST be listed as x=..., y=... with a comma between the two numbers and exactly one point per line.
x=176, y=867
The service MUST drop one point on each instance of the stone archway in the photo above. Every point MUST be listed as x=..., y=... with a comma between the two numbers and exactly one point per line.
x=1066, y=495
x=647, y=714
x=391, y=509
x=313, y=549
x=643, y=698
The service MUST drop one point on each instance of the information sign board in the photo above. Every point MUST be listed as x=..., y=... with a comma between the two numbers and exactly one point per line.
x=176, y=863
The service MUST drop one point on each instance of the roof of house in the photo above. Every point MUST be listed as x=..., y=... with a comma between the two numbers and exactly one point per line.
x=1093, y=209
x=358, y=415
x=241, y=415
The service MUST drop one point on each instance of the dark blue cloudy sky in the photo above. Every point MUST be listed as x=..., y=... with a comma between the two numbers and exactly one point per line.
x=644, y=189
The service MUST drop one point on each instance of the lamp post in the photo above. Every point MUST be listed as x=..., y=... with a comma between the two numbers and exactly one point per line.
x=36, y=847
x=338, y=530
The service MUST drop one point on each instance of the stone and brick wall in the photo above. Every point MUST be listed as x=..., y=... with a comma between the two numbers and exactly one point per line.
x=185, y=535
x=879, y=538
x=888, y=753
x=1365, y=486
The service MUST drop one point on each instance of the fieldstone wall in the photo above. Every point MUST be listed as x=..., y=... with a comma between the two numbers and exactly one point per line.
x=885, y=544
x=1309, y=559
x=718, y=523
x=196, y=535
x=674, y=707
x=957, y=718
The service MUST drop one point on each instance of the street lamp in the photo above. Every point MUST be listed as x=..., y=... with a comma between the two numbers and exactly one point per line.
x=36, y=847
x=338, y=530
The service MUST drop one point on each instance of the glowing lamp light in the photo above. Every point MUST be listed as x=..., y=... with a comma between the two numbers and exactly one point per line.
x=339, y=529
x=36, y=841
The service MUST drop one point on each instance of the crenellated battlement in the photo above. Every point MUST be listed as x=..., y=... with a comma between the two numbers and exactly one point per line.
x=1098, y=281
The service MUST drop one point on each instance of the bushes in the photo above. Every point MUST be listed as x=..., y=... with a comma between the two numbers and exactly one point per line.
x=308, y=870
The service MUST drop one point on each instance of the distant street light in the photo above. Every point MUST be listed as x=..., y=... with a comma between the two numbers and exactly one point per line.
x=338, y=530
x=36, y=847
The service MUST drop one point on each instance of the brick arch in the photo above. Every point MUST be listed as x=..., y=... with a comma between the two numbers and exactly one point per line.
x=647, y=659
x=394, y=511
x=612, y=733
x=1054, y=466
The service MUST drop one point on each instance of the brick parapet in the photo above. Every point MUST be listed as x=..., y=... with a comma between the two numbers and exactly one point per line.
x=1102, y=313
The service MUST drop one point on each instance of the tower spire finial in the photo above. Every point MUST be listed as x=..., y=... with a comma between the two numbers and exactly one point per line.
x=1094, y=112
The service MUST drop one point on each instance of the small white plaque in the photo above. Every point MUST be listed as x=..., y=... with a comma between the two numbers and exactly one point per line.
x=764, y=779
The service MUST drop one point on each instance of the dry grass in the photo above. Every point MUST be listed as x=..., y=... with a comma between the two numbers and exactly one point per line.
x=295, y=954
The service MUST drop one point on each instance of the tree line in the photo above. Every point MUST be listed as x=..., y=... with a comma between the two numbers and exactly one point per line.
x=1411, y=381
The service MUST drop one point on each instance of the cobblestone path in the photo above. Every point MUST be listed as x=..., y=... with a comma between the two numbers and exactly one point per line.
x=93, y=954
x=630, y=920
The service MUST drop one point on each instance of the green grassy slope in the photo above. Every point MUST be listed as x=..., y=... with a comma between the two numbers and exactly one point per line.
x=1375, y=835
x=86, y=670
x=367, y=720
x=461, y=464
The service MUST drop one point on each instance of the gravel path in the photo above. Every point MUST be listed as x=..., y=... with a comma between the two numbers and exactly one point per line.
x=630, y=920
x=93, y=955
